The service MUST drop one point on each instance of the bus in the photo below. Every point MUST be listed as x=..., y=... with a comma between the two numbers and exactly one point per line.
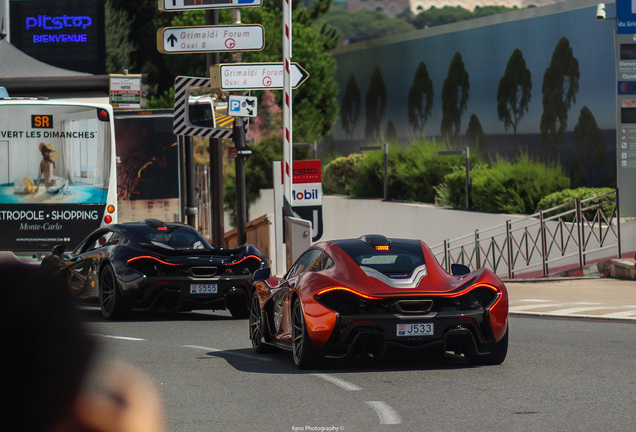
x=58, y=177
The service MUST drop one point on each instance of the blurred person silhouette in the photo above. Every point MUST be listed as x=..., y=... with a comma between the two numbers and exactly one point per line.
x=53, y=380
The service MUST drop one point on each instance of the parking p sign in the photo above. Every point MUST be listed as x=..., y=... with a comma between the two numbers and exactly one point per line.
x=242, y=106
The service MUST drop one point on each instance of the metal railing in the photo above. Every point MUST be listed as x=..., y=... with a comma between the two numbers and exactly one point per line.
x=570, y=234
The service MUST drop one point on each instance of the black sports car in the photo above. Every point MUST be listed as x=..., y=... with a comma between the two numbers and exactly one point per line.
x=153, y=265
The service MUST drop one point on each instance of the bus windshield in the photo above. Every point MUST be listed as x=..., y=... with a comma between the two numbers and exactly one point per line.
x=57, y=172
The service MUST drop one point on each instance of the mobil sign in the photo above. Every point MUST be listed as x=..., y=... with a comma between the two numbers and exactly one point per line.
x=307, y=193
x=306, y=183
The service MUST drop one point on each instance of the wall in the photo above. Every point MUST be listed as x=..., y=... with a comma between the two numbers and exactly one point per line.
x=486, y=46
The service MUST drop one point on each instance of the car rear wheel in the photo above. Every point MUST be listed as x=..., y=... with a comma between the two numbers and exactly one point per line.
x=497, y=354
x=238, y=311
x=306, y=354
x=256, y=326
x=110, y=300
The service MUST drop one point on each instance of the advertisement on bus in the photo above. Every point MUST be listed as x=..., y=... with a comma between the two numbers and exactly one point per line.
x=57, y=173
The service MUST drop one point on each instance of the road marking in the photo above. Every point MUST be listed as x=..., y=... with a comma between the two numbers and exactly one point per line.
x=573, y=309
x=536, y=306
x=385, y=412
x=248, y=356
x=530, y=300
x=345, y=385
x=128, y=338
x=576, y=310
x=623, y=314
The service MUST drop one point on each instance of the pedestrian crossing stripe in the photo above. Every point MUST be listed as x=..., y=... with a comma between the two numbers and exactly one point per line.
x=541, y=307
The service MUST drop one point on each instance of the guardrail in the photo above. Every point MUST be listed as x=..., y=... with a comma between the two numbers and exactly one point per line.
x=570, y=234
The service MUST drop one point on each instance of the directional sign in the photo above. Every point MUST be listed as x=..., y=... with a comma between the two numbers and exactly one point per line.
x=254, y=76
x=239, y=37
x=181, y=5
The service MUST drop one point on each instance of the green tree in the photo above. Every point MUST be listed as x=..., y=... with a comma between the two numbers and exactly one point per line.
x=421, y=89
x=440, y=16
x=375, y=105
x=560, y=85
x=350, y=108
x=589, y=144
x=143, y=20
x=315, y=104
x=120, y=49
x=450, y=14
x=514, y=92
x=364, y=24
x=454, y=97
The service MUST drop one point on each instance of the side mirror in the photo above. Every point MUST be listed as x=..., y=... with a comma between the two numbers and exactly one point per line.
x=459, y=269
x=58, y=250
x=262, y=274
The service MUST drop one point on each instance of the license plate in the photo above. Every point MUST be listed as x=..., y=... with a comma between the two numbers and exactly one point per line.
x=204, y=289
x=419, y=329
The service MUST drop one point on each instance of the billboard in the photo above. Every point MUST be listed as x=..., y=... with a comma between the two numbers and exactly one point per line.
x=69, y=34
x=148, y=159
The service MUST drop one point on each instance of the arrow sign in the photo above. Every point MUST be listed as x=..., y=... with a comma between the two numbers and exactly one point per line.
x=181, y=5
x=172, y=40
x=254, y=76
x=239, y=37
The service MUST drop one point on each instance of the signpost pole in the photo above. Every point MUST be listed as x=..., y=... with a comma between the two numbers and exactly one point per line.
x=241, y=198
x=191, y=208
x=287, y=103
x=215, y=149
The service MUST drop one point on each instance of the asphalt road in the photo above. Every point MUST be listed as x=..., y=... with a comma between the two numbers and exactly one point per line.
x=560, y=375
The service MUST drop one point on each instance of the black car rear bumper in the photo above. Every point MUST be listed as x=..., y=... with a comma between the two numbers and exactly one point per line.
x=174, y=294
x=459, y=332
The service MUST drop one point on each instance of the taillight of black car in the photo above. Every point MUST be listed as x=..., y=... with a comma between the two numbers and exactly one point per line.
x=150, y=265
x=244, y=266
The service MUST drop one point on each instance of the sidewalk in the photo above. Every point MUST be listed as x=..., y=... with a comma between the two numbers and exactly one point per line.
x=596, y=297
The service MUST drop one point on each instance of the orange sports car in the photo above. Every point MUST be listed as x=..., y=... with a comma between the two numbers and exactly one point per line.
x=360, y=297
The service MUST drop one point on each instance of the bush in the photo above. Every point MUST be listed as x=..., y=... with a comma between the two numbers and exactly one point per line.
x=340, y=173
x=413, y=173
x=507, y=187
x=569, y=195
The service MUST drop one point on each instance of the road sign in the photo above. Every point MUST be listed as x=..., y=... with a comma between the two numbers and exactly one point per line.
x=182, y=5
x=254, y=76
x=238, y=37
x=242, y=106
x=125, y=91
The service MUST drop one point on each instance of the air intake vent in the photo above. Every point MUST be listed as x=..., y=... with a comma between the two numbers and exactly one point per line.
x=203, y=272
x=412, y=307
